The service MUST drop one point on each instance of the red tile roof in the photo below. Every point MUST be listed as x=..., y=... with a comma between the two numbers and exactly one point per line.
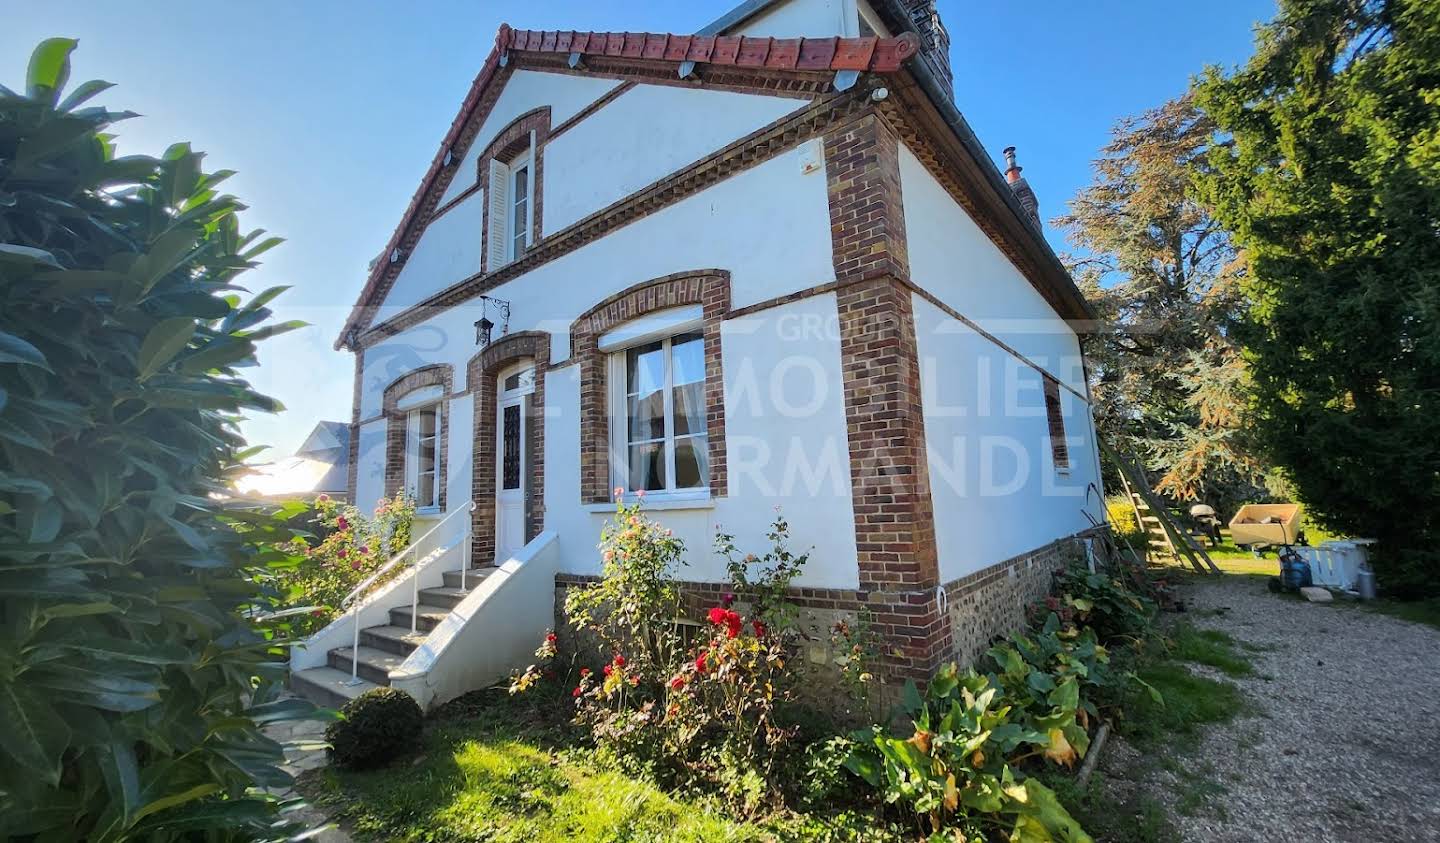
x=881, y=55
x=876, y=54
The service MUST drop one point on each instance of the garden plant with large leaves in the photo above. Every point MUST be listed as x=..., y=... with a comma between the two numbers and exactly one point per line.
x=141, y=650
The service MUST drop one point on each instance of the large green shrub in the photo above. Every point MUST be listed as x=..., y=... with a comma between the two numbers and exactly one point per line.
x=378, y=726
x=1327, y=174
x=139, y=653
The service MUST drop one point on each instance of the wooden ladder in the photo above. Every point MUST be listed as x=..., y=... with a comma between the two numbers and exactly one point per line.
x=1161, y=531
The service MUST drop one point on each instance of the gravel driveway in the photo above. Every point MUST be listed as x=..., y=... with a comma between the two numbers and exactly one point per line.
x=1345, y=744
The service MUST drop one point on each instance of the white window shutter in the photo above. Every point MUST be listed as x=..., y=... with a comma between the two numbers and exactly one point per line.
x=497, y=246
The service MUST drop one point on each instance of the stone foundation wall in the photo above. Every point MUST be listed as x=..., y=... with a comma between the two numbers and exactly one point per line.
x=977, y=609
x=991, y=602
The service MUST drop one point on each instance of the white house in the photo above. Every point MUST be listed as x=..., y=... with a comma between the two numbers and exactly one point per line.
x=768, y=264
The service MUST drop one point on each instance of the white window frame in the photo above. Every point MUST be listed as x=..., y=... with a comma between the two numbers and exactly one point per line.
x=526, y=160
x=618, y=389
x=412, y=455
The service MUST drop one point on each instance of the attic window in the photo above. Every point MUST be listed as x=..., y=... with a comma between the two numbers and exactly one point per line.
x=1059, y=450
x=511, y=212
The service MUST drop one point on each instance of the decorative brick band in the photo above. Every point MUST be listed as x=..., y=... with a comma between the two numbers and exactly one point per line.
x=584, y=113
x=756, y=148
x=481, y=381
x=396, y=421
x=709, y=288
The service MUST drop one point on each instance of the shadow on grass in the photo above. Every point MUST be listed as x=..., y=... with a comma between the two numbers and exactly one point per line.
x=495, y=769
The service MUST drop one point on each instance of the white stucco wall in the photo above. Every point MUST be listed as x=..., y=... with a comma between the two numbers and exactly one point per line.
x=957, y=263
x=786, y=446
x=527, y=89
x=370, y=465
x=644, y=135
x=993, y=483
x=447, y=251
x=773, y=245
x=804, y=18
x=458, y=463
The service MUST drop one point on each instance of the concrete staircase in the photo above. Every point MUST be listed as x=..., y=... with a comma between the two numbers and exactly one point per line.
x=384, y=648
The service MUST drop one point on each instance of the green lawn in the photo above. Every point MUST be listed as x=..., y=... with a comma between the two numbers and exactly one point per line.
x=491, y=769
x=503, y=770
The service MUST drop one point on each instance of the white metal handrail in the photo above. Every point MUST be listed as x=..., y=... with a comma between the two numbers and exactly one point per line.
x=414, y=582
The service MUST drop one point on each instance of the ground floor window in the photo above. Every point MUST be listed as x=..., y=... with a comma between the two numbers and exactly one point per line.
x=661, y=442
x=421, y=457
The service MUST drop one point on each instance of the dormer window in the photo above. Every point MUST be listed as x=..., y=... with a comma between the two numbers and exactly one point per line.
x=511, y=216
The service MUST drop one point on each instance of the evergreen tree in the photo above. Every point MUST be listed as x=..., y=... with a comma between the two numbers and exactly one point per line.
x=1328, y=178
x=1162, y=275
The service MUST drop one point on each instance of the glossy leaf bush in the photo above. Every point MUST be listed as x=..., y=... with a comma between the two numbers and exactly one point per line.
x=140, y=651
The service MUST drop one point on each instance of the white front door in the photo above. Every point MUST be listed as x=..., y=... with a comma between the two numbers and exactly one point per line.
x=510, y=480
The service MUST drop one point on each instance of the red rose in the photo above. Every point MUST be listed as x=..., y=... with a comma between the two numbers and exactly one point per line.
x=584, y=672
x=608, y=670
x=717, y=615
x=619, y=660
x=575, y=693
x=550, y=639
x=700, y=662
x=677, y=682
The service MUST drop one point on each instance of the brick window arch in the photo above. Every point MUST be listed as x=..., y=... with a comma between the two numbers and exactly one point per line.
x=481, y=380
x=513, y=140
x=397, y=421
x=709, y=288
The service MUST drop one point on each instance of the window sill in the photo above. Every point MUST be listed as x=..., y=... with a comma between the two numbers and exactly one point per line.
x=659, y=503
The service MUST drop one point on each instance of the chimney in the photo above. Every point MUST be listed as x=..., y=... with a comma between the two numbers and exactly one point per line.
x=1020, y=187
x=934, y=40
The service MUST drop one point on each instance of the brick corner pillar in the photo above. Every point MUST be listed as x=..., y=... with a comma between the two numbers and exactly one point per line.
x=890, y=485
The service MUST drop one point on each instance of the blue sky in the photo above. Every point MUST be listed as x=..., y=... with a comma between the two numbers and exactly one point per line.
x=331, y=112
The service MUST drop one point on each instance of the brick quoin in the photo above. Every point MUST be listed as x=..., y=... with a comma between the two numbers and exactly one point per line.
x=481, y=380
x=709, y=288
x=395, y=423
x=890, y=485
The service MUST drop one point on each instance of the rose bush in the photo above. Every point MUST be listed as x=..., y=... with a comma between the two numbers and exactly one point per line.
x=350, y=547
x=698, y=712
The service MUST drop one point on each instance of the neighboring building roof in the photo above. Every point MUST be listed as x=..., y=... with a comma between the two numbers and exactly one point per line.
x=320, y=464
x=879, y=55
x=327, y=436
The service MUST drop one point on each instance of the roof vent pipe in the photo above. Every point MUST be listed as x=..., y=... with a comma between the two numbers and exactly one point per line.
x=1020, y=187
